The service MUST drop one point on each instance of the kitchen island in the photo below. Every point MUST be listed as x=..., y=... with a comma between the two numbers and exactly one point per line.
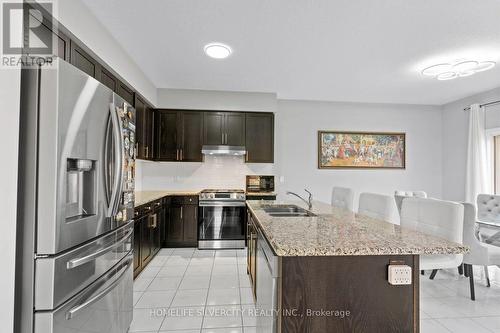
x=329, y=272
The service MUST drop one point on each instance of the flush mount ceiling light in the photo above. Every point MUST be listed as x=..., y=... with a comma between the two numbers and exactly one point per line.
x=217, y=50
x=462, y=68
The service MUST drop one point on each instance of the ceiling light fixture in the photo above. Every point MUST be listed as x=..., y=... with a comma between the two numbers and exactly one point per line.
x=217, y=50
x=453, y=70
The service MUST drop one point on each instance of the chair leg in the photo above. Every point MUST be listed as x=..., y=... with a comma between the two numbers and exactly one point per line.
x=433, y=274
x=422, y=272
x=470, y=274
x=461, y=269
x=487, y=275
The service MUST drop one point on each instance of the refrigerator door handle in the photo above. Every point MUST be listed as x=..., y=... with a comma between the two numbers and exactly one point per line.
x=108, y=161
x=83, y=260
x=119, y=153
x=74, y=310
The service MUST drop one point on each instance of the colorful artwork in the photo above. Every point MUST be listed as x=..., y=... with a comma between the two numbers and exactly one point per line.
x=361, y=150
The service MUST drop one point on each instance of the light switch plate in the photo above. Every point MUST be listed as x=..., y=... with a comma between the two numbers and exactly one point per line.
x=399, y=274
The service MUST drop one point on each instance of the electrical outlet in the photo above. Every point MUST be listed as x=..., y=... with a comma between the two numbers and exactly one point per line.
x=399, y=274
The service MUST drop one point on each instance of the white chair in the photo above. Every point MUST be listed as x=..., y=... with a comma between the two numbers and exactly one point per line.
x=399, y=196
x=439, y=218
x=488, y=210
x=343, y=197
x=378, y=206
x=481, y=254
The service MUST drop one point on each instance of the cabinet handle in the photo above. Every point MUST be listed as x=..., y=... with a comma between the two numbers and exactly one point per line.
x=246, y=156
x=225, y=139
x=181, y=212
x=222, y=134
x=146, y=154
x=182, y=154
x=177, y=154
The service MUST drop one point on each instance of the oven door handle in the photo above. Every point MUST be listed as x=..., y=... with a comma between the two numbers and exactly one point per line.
x=222, y=204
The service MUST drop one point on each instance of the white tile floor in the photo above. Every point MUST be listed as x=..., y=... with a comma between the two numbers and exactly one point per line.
x=188, y=291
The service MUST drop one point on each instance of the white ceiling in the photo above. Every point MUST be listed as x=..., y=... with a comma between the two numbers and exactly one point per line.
x=335, y=50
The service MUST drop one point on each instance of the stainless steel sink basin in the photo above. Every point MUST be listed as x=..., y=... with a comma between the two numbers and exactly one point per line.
x=287, y=211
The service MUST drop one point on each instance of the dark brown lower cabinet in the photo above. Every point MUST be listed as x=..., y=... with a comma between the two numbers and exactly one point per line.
x=147, y=233
x=252, y=253
x=182, y=228
x=137, y=246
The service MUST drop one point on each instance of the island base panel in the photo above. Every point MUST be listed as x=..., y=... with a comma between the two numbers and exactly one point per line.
x=354, y=289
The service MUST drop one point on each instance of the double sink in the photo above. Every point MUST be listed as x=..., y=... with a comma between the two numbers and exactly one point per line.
x=287, y=211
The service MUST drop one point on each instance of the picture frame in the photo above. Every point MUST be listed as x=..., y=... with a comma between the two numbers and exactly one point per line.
x=361, y=150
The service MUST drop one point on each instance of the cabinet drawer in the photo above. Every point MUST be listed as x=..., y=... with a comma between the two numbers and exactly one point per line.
x=185, y=200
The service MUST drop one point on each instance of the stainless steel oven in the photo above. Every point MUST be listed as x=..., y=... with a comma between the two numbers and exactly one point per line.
x=222, y=219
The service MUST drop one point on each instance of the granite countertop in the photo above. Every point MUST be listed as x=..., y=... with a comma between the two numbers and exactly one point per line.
x=142, y=197
x=338, y=232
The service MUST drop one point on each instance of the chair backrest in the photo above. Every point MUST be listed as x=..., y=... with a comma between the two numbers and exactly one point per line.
x=439, y=218
x=378, y=206
x=343, y=197
x=488, y=207
x=400, y=195
x=478, y=254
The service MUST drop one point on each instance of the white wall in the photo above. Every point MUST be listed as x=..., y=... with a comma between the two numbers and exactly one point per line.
x=78, y=19
x=455, y=132
x=9, y=139
x=299, y=121
x=216, y=100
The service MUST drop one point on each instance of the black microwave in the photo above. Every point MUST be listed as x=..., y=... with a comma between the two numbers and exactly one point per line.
x=259, y=184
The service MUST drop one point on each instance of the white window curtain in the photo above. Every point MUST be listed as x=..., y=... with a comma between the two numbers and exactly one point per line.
x=478, y=177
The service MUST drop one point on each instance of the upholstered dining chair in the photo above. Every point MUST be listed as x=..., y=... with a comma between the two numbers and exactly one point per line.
x=439, y=218
x=481, y=254
x=343, y=197
x=488, y=218
x=378, y=206
x=400, y=195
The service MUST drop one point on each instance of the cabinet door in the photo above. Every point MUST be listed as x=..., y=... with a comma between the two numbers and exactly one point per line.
x=140, y=128
x=175, y=227
x=146, y=248
x=166, y=145
x=83, y=61
x=234, y=128
x=137, y=248
x=148, y=132
x=190, y=222
x=125, y=92
x=192, y=136
x=108, y=79
x=164, y=218
x=156, y=232
x=213, y=128
x=259, y=135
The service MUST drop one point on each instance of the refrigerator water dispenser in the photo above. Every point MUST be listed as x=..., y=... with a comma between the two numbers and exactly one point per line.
x=81, y=189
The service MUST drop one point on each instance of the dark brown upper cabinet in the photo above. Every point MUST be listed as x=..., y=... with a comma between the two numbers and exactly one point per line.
x=143, y=129
x=224, y=128
x=108, y=79
x=125, y=92
x=83, y=61
x=259, y=133
x=45, y=28
x=178, y=135
x=166, y=127
x=191, y=129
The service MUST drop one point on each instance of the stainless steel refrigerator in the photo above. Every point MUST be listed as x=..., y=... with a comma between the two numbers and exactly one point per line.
x=75, y=204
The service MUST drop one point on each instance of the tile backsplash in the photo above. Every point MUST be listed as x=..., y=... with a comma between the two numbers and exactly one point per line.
x=214, y=172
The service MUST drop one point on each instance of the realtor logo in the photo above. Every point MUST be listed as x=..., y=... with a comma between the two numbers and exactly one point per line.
x=24, y=30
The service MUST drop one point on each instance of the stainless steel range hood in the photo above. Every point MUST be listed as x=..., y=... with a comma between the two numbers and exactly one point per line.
x=223, y=150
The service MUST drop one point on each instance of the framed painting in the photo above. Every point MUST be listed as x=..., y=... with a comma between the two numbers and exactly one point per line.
x=369, y=150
